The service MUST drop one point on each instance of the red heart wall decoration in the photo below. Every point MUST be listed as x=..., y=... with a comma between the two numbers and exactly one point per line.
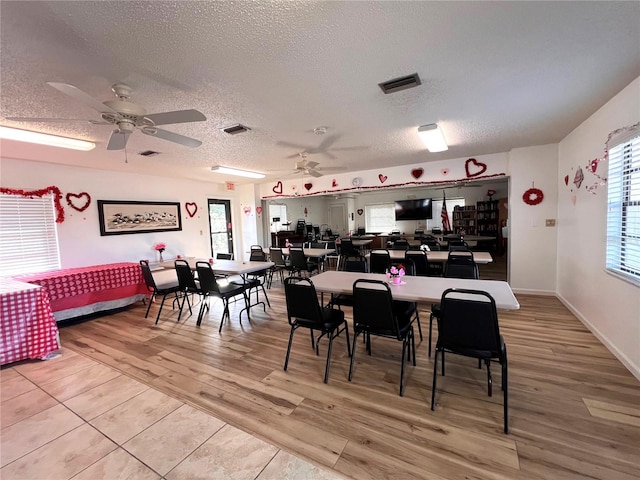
x=360, y=211
x=479, y=168
x=334, y=184
x=566, y=180
x=278, y=188
x=246, y=210
x=308, y=186
x=258, y=210
x=75, y=201
x=382, y=178
x=191, y=208
x=417, y=173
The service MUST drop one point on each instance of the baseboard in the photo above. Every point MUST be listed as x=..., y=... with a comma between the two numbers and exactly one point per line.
x=524, y=291
x=634, y=369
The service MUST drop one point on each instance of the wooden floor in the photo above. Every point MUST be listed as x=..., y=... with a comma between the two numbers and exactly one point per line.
x=574, y=409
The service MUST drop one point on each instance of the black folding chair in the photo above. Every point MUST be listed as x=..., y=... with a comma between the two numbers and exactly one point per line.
x=304, y=310
x=468, y=325
x=164, y=289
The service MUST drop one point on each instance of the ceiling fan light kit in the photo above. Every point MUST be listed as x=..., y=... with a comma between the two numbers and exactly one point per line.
x=432, y=137
x=235, y=171
x=45, y=139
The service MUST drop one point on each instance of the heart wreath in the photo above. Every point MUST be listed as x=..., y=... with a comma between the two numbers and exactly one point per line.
x=74, y=200
x=480, y=167
x=533, y=196
x=191, y=208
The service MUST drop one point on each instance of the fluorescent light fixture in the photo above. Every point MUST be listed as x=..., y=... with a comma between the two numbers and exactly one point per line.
x=235, y=171
x=432, y=138
x=45, y=139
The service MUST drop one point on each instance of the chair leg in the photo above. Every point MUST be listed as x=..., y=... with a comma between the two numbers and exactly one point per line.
x=286, y=359
x=225, y=313
x=413, y=344
x=443, y=362
x=326, y=368
x=353, y=354
x=418, y=322
x=265, y=295
x=313, y=343
x=404, y=349
x=489, y=380
x=505, y=394
x=346, y=328
x=203, y=305
x=149, y=306
x=435, y=378
x=160, y=310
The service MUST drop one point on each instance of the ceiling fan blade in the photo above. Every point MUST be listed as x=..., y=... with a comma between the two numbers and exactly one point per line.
x=79, y=95
x=311, y=164
x=314, y=173
x=328, y=154
x=172, y=137
x=179, y=116
x=118, y=140
x=327, y=142
x=332, y=169
x=55, y=120
x=299, y=148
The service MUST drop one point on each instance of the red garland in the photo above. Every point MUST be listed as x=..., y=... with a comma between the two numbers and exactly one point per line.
x=57, y=199
x=533, y=196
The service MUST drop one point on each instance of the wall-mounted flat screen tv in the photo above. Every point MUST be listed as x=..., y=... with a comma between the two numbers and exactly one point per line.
x=419, y=209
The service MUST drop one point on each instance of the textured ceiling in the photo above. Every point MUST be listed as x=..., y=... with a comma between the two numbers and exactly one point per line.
x=495, y=76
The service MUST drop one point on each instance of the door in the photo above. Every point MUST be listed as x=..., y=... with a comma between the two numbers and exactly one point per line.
x=337, y=219
x=220, y=227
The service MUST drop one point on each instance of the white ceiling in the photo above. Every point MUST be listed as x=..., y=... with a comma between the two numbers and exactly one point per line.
x=495, y=76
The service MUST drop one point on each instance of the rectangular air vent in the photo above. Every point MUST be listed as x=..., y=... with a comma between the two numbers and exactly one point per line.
x=401, y=83
x=149, y=153
x=235, y=129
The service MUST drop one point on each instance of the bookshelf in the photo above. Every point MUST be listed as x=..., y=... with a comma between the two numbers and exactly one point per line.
x=464, y=220
x=488, y=218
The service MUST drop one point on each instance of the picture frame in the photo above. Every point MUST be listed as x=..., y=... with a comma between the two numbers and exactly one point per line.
x=123, y=217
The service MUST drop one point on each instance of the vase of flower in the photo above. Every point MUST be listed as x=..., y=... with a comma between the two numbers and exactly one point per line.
x=395, y=274
x=160, y=247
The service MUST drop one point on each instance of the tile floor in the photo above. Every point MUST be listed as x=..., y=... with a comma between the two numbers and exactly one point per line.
x=74, y=418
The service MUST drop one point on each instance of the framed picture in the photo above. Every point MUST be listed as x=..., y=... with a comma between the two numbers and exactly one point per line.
x=118, y=217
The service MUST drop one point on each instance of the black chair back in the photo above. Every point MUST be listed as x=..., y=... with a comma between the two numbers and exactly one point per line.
x=208, y=281
x=355, y=264
x=297, y=258
x=373, y=308
x=401, y=244
x=257, y=254
x=420, y=261
x=461, y=265
x=346, y=246
x=469, y=326
x=224, y=256
x=361, y=231
x=417, y=234
x=458, y=245
x=276, y=257
x=379, y=261
x=148, y=276
x=319, y=245
x=302, y=302
x=186, y=281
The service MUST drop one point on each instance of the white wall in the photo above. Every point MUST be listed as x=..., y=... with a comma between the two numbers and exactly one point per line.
x=609, y=306
x=532, y=245
x=79, y=235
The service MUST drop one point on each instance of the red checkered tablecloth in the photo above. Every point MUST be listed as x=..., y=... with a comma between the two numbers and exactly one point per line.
x=77, y=287
x=27, y=326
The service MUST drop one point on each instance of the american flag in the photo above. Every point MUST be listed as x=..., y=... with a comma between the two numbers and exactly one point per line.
x=446, y=225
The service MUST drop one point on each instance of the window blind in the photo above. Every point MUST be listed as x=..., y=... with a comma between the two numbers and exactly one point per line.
x=380, y=218
x=28, y=235
x=623, y=207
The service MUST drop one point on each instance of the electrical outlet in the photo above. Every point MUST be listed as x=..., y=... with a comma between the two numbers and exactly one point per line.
x=550, y=222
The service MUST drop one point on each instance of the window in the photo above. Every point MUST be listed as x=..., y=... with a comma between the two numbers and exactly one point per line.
x=380, y=218
x=623, y=207
x=28, y=235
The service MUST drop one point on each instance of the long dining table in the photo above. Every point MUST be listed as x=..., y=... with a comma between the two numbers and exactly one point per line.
x=319, y=253
x=417, y=289
x=440, y=256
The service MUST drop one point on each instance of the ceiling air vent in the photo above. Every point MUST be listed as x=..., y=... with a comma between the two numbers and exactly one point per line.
x=401, y=83
x=235, y=129
x=149, y=153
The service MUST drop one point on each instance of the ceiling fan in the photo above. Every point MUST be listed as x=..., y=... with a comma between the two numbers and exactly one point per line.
x=126, y=116
x=325, y=148
x=311, y=168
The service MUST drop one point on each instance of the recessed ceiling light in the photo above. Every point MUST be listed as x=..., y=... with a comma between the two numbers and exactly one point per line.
x=45, y=139
x=235, y=171
x=432, y=138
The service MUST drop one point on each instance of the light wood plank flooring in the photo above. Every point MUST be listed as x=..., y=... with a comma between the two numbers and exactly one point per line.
x=574, y=409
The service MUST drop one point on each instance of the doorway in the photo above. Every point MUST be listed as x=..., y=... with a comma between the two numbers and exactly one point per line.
x=220, y=226
x=337, y=219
